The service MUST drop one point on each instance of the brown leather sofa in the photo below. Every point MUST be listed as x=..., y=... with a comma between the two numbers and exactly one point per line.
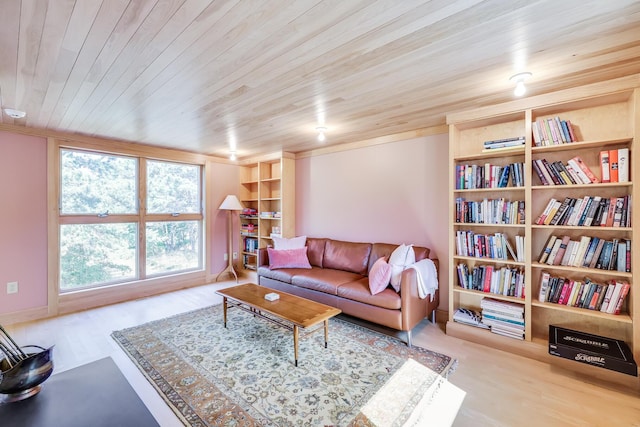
x=338, y=278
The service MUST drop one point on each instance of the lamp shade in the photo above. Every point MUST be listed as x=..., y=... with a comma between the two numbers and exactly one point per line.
x=231, y=203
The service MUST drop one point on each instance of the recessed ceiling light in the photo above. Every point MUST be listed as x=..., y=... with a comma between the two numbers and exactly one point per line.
x=519, y=79
x=16, y=114
x=321, y=130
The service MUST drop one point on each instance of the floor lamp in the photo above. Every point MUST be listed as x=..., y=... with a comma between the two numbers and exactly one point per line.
x=230, y=204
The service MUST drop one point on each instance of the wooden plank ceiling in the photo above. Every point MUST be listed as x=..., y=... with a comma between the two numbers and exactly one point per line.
x=203, y=75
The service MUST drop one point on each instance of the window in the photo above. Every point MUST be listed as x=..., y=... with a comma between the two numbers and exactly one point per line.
x=109, y=235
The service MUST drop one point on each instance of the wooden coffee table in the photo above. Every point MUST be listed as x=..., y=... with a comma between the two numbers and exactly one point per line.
x=289, y=311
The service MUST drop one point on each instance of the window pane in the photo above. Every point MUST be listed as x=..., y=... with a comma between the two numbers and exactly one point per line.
x=173, y=188
x=173, y=246
x=93, y=183
x=92, y=254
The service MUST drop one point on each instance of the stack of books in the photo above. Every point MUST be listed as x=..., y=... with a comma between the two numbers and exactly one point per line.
x=503, y=317
x=469, y=317
x=502, y=144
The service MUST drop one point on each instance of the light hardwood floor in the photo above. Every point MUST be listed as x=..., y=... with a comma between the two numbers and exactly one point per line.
x=501, y=389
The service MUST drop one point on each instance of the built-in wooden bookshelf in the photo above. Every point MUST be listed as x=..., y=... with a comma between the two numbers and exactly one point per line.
x=267, y=186
x=604, y=117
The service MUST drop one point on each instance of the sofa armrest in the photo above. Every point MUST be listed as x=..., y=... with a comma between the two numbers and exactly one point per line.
x=414, y=309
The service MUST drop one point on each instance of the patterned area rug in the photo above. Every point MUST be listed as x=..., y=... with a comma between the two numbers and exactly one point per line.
x=244, y=375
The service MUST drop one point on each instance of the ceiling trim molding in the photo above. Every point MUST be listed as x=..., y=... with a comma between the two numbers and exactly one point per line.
x=113, y=145
x=573, y=94
x=397, y=137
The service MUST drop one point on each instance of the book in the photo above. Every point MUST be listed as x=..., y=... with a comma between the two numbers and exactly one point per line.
x=545, y=213
x=538, y=171
x=623, y=165
x=568, y=252
x=615, y=295
x=607, y=297
x=554, y=208
x=469, y=317
x=604, y=166
x=584, y=243
x=547, y=249
x=584, y=170
x=544, y=283
x=623, y=293
x=613, y=165
x=591, y=250
x=560, y=252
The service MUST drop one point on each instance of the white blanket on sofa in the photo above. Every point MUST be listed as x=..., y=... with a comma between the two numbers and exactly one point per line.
x=427, y=277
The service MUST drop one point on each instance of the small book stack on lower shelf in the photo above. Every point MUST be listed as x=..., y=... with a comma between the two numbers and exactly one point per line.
x=504, y=318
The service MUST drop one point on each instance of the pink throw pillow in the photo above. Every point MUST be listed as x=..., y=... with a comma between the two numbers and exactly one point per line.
x=288, y=258
x=379, y=276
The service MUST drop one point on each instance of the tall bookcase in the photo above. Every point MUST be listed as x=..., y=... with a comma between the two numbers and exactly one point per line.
x=605, y=117
x=267, y=186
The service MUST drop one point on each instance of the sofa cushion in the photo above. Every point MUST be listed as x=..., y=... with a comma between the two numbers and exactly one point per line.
x=347, y=256
x=379, y=250
x=379, y=276
x=292, y=243
x=315, y=250
x=284, y=275
x=402, y=257
x=323, y=280
x=359, y=291
x=288, y=258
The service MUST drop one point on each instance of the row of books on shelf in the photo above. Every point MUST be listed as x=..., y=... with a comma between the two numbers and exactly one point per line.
x=604, y=297
x=558, y=173
x=496, y=246
x=506, y=143
x=588, y=252
x=490, y=211
x=589, y=211
x=614, y=165
x=251, y=245
x=503, y=317
x=552, y=131
x=489, y=176
x=507, y=281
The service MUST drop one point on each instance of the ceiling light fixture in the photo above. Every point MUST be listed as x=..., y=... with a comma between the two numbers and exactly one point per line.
x=232, y=155
x=16, y=114
x=519, y=79
x=321, y=130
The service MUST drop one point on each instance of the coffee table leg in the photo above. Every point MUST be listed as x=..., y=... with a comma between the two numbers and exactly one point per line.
x=295, y=343
x=326, y=332
x=224, y=310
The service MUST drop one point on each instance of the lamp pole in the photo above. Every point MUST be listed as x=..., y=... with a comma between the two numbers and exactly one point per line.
x=230, y=204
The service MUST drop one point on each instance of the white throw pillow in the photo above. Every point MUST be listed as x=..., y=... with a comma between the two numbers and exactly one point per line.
x=402, y=257
x=280, y=243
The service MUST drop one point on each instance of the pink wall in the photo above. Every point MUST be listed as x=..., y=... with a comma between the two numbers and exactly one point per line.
x=23, y=221
x=224, y=181
x=391, y=193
